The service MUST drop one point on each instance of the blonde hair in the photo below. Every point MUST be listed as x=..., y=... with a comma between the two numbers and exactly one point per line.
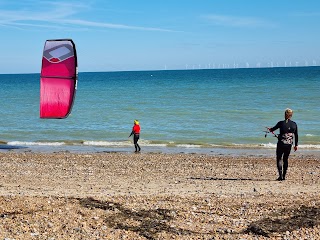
x=288, y=113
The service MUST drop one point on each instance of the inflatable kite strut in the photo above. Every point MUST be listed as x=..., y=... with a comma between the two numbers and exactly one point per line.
x=58, y=79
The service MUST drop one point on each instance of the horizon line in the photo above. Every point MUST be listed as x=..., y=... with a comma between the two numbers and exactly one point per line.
x=177, y=69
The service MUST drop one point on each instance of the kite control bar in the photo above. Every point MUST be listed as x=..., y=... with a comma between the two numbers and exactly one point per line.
x=268, y=131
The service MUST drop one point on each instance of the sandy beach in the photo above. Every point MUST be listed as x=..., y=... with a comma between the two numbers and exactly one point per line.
x=156, y=196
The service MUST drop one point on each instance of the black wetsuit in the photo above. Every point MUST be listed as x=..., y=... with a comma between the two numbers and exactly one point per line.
x=136, y=137
x=288, y=131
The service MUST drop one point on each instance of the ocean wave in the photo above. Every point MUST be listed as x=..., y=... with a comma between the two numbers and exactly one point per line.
x=309, y=146
x=147, y=143
x=310, y=135
x=268, y=145
x=16, y=143
x=189, y=146
x=107, y=144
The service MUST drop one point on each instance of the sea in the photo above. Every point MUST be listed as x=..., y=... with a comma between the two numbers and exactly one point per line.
x=210, y=111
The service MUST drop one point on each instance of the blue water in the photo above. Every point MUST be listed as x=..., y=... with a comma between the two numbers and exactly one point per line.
x=204, y=109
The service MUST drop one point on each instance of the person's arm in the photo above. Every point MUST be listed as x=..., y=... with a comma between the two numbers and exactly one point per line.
x=131, y=133
x=274, y=128
x=296, y=139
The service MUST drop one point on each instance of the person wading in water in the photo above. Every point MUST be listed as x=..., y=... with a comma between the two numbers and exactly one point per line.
x=288, y=131
x=136, y=135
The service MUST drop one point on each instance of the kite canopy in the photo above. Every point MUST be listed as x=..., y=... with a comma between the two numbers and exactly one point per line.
x=58, y=79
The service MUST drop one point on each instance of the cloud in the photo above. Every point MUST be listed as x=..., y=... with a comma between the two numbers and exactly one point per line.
x=59, y=15
x=110, y=25
x=232, y=21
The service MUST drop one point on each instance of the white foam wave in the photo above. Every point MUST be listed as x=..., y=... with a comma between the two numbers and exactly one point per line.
x=303, y=146
x=122, y=143
x=152, y=144
x=309, y=146
x=107, y=144
x=214, y=145
x=15, y=143
x=155, y=145
x=268, y=145
x=188, y=146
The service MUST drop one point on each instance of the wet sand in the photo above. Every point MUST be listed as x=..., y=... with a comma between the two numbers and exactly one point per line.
x=157, y=196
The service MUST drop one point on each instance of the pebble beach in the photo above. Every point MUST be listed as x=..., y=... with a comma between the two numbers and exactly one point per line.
x=111, y=195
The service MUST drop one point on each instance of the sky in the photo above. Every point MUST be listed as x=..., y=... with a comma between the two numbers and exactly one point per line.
x=123, y=35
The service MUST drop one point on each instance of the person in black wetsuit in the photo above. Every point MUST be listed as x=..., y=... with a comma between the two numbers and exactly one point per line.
x=288, y=131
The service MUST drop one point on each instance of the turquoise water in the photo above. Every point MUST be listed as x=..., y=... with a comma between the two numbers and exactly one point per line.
x=182, y=109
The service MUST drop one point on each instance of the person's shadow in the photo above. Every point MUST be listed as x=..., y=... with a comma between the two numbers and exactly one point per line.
x=227, y=179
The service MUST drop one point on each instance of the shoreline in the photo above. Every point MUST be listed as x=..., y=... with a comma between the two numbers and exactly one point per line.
x=211, y=151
